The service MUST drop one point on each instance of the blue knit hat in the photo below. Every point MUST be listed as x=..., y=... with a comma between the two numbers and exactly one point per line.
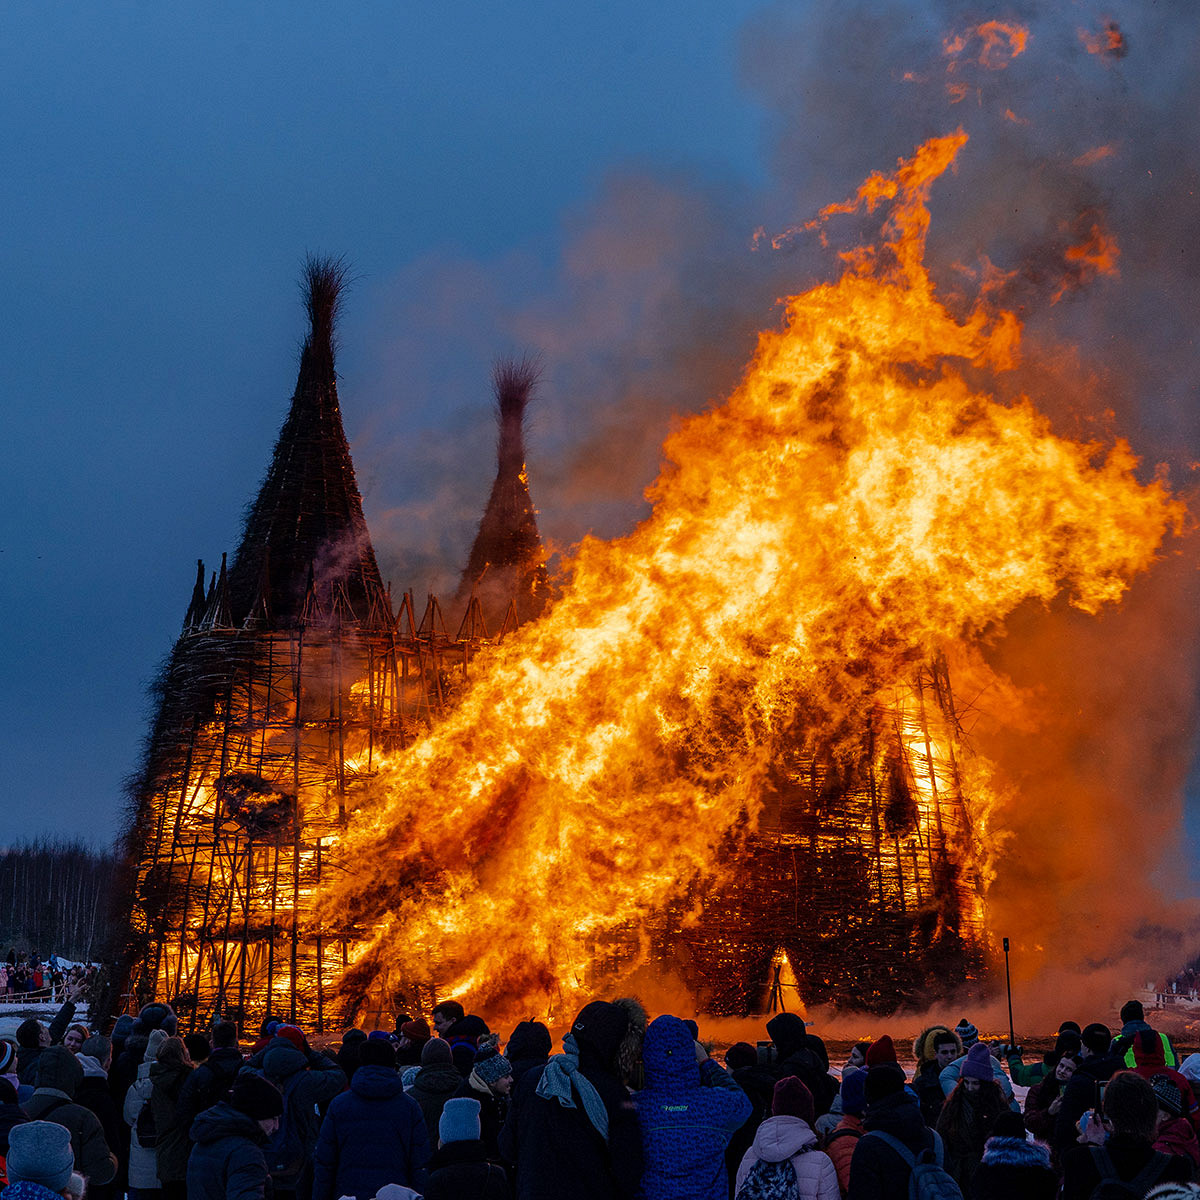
x=854, y=1092
x=460, y=1121
x=40, y=1152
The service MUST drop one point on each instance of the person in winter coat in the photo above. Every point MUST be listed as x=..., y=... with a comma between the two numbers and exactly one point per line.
x=1067, y=1042
x=785, y=1140
x=1133, y=1022
x=412, y=1038
x=572, y=1130
x=33, y=1037
x=459, y=1168
x=687, y=1112
x=227, y=1161
x=309, y=1081
x=758, y=1081
x=143, y=1166
x=93, y=1092
x=1130, y=1114
x=172, y=1066
x=489, y=1082
x=1096, y=1066
x=935, y=1048
x=950, y=1076
x=372, y=1135
x=58, y=1078
x=1012, y=1166
x=11, y=1112
x=1146, y=1050
x=1175, y=1134
x=349, y=1051
x=40, y=1164
x=436, y=1082
x=841, y=1142
x=528, y=1047
x=211, y=1081
x=968, y=1115
x=877, y=1172
x=800, y=1054
x=1044, y=1100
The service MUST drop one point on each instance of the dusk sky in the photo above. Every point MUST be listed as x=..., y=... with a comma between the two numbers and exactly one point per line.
x=580, y=181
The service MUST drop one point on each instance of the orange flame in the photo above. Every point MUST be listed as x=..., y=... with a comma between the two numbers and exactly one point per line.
x=1096, y=254
x=853, y=506
x=1095, y=155
x=1109, y=42
x=999, y=43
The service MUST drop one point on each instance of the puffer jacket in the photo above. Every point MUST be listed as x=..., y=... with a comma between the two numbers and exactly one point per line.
x=877, y=1172
x=840, y=1147
x=227, y=1161
x=780, y=1139
x=143, y=1165
x=372, y=1135
x=174, y=1145
x=687, y=1114
x=433, y=1086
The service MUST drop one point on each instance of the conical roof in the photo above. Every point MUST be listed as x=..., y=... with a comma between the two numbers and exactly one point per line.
x=307, y=522
x=507, y=560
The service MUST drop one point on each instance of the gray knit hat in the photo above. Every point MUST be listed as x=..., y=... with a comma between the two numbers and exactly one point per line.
x=40, y=1152
x=493, y=1068
x=436, y=1051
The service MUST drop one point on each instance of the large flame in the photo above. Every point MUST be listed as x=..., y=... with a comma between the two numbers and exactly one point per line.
x=855, y=506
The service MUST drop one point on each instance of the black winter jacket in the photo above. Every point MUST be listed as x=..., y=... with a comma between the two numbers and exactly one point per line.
x=877, y=1172
x=227, y=1161
x=461, y=1171
x=433, y=1086
x=1082, y=1093
x=209, y=1083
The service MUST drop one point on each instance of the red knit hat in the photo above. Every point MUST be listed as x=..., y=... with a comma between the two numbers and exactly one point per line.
x=880, y=1051
x=415, y=1031
x=295, y=1035
x=793, y=1099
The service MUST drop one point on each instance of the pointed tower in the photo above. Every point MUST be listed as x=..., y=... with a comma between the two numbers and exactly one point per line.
x=290, y=684
x=507, y=565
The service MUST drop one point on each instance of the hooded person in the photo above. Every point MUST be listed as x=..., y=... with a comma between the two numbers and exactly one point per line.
x=934, y=1048
x=58, y=1077
x=1149, y=1061
x=878, y=1171
x=528, y=1047
x=798, y=1053
x=227, y=1160
x=436, y=1081
x=490, y=1083
x=459, y=1168
x=785, y=1150
x=572, y=1129
x=841, y=1142
x=758, y=1081
x=687, y=1112
x=308, y=1081
x=372, y=1134
x=1014, y=1166
x=40, y=1164
x=143, y=1166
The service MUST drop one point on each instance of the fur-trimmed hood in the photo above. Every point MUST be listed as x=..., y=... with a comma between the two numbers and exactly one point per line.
x=629, y=1056
x=1015, y=1152
x=923, y=1045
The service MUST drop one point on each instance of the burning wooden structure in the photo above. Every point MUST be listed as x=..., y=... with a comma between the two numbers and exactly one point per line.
x=293, y=676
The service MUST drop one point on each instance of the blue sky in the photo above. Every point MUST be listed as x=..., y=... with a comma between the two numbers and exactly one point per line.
x=581, y=180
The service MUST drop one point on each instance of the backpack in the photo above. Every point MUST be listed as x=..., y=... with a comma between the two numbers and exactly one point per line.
x=770, y=1181
x=928, y=1179
x=1113, y=1187
x=285, y=1151
x=146, y=1127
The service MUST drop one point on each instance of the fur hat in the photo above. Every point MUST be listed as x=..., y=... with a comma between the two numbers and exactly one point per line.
x=854, y=1092
x=882, y=1050
x=8, y=1056
x=884, y=1080
x=978, y=1064
x=256, y=1097
x=40, y=1152
x=436, y=1051
x=967, y=1033
x=793, y=1099
x=459, y=1121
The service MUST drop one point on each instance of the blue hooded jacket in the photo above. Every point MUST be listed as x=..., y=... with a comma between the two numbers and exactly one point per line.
x=687, y=1113
x=373, y=1134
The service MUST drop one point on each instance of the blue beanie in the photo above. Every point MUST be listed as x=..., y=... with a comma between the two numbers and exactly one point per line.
x=854, y=1092
x=460, y=1121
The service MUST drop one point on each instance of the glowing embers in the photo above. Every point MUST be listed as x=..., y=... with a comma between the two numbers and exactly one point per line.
x=260, y=808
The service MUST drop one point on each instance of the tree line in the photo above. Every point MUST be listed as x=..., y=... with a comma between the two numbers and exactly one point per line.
x=54, y=898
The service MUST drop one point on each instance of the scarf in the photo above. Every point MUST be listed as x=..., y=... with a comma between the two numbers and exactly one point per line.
x=561, y=1074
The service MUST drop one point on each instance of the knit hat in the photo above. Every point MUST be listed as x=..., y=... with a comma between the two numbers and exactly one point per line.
x=854, y=1092
x=435, y=1051
x=978, y=1064
x=98, y=1047
x=459, y=1121
x=156, y=1039
x=1170, y=1098
x=492, y=1068
x=29, y=1033
x=967, y=1033
x=883, y=1080
x=415, y=1031
x=256, y=1097
x=295, y=1035
x=40, y=1152
x=740, y=1054
x=8, y=1056
x=793, y=1099
x=156, y=1016
x=882, y=1050
x=601, y=1026
x=123, y=1028
x=57, y=1067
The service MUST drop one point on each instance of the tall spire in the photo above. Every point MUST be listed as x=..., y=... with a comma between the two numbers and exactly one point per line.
x=308, y=515
x=507, y=561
